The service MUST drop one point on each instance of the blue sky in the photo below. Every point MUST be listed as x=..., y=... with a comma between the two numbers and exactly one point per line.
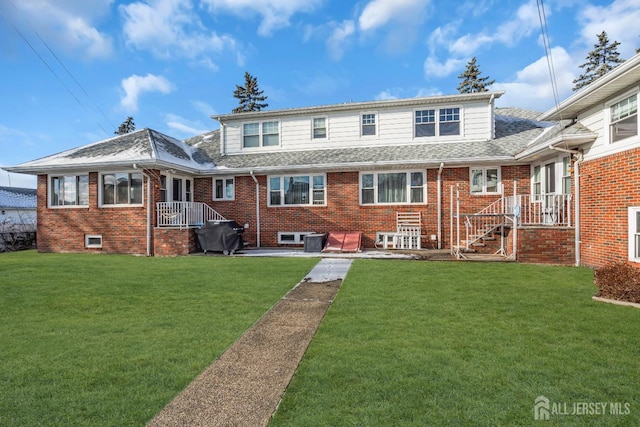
x=73, y=70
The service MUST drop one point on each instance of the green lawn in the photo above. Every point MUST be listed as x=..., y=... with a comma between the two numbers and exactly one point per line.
x=428, y=343
x=106, y=340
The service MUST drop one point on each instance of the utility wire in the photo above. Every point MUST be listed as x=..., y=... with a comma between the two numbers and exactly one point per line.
x=547, y=48
x=22, y=36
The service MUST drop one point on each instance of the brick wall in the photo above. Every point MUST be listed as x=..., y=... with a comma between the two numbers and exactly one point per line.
x=173, y=241
x=546, y=245
x=609, y=186
x=123, y=230
x=343, y=212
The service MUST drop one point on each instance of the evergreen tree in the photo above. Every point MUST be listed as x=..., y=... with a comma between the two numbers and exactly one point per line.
x=471, y=80
x=600, y=61
x=126, y=127
x=249, y=96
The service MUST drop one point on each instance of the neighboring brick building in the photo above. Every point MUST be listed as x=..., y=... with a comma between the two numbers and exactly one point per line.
x=507, y=178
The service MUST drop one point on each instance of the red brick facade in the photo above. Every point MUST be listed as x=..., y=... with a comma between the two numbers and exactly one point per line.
x=343, y=211
x=124, y=230
x=608, y=186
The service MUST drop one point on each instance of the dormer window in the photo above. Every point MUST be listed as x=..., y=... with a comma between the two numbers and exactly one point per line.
x=265, y=134
x=440, y=122
x=319, y=128
x=624, y=119
x=368, y=124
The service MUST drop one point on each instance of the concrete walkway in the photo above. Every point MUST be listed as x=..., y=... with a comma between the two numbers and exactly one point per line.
x=244, y=386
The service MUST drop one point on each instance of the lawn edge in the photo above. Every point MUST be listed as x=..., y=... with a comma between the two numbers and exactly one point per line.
x=616, y=302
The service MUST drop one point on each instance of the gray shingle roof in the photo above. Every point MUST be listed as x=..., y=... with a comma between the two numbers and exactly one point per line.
x=17, y=198
x=514, y=129
x=144, y=146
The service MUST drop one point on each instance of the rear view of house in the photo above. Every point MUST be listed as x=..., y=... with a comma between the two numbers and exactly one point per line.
x=530, y=186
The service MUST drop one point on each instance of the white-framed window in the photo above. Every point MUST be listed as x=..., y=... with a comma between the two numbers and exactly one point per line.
x=623, y=119
x=296, y=190
x=93, y=240
x=292, y=237
x=224, y=188
x=437, y=122
x=536, y=183
x=181, y=189
x=121, y=189
x=484, y=180
x=368, y=124
x=634, y=233
x=69, y=191
x=566, y=175
x=393, y=188
x=163, y=188
x=319, y=128
x=265, y=134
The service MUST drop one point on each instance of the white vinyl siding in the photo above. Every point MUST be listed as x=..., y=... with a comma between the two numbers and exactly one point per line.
x=393, y=126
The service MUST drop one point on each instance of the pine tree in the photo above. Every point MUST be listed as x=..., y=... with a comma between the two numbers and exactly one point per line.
x=126, y=127
x=249, y=96
x=600, y=61
x=471, y=80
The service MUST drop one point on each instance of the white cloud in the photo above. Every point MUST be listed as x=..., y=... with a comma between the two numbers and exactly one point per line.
x=339, y=39
x=63, y=24
x=275, y=14
x=532, y=86
x=378, y=13
x=184, y=128
x=619, y=19
x=135, y=85
x=522, y=25
x=170, y=28
x=204, y=108
x=433, y=68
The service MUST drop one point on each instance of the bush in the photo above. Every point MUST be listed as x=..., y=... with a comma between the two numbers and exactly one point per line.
x=619, y=281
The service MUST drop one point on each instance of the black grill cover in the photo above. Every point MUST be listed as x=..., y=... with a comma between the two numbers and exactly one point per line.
x=221, y=236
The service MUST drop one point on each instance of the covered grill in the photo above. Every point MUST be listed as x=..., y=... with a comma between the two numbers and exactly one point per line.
x=220, y=236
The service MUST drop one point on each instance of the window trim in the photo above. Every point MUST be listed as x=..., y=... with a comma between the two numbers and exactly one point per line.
x=101, y=203
x=224, y=197
x=632, y=212
x=408, y=187
x=608, y=119
x=375, y=125
x=261, y=134
x=50, y=204
x=326, y=128
x=298, y=237
x=484, y=170
x=436, y=112
x=88, y=237
x=282, y=192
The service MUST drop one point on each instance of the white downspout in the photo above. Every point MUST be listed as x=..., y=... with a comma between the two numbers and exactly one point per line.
x=148, y=208
x=440, y=205
x=257, y=209
x=576, y=209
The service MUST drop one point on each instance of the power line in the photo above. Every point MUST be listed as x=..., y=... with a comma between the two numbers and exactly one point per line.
x=65, y=69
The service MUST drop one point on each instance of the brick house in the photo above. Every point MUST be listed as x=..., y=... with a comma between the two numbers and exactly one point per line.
x=501, y=180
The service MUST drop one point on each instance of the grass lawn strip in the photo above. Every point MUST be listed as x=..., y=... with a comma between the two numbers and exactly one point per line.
x=426, y=343
x=109, y=340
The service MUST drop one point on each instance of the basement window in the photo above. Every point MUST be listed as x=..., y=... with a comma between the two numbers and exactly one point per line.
x=93, y=241
x=292, y=237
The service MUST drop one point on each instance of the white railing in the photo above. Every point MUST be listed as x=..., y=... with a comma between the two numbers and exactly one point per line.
x=185, y=214
x=549, y=209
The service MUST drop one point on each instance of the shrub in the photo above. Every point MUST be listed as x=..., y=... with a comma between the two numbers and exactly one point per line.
x=619, y=281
